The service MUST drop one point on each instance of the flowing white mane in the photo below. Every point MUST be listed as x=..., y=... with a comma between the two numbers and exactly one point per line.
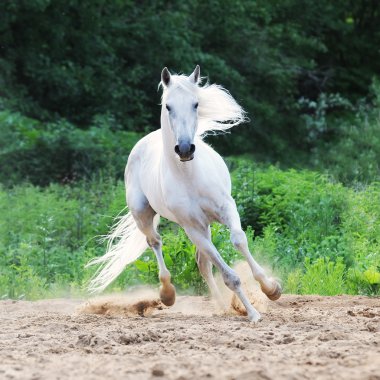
x=218, y=111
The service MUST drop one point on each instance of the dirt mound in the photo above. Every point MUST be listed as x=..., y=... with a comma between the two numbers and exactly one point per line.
x=300, y=337
x=142, y=302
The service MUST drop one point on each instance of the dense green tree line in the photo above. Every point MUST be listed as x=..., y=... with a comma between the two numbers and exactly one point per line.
x=85, y=61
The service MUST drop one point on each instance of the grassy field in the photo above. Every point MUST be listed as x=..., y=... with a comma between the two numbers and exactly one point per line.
x=317, y=235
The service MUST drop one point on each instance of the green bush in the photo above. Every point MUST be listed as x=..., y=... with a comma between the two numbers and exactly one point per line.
x=80, y=59
x=348, y=147
x=42, y=153
x=47, y=235
x=322, y=277
x=317, y=235
x=300, y=217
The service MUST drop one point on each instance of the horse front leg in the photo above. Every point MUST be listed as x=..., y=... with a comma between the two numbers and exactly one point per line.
x=147, y=221
x=231, y=219
x=200, y=237
x=167, y=289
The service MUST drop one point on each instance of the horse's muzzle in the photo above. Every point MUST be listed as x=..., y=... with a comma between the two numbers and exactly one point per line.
x=185, y=151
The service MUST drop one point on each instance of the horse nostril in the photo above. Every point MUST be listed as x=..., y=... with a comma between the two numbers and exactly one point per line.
x=184, y=149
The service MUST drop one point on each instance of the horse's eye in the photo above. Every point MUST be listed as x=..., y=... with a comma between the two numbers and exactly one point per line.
x=196, y=105
x=168, y=108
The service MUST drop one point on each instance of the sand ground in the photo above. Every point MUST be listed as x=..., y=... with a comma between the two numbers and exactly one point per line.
x=300, y=337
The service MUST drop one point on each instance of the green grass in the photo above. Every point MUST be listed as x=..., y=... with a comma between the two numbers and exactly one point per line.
x=317, y=235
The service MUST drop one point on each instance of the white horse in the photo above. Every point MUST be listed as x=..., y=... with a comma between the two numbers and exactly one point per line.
x=172, y=173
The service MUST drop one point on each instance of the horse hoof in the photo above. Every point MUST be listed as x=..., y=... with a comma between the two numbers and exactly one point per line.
x=254, y=317
x=167, y=294
x=276, y=293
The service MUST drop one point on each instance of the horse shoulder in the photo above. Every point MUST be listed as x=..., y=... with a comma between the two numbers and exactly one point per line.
x=145, y=148
x=215, y=169
x=141, y=158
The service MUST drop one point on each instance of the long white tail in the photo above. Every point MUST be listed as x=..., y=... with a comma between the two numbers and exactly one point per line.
x=126, y=243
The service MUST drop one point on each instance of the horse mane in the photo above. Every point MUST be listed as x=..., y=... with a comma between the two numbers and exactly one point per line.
x=218, y=111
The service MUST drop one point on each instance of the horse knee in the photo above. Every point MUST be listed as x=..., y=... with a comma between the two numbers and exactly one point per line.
x=154, y=241
x=238, y=239
x=232, y=280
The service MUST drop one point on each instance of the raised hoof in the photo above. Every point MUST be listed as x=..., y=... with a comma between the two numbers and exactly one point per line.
x=167, y=294
x=276, y=293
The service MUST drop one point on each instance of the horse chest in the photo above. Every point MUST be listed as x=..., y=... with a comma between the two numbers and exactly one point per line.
x=183, y=201
x=193, y=207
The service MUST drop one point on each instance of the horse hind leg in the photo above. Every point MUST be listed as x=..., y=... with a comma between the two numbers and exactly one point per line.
x=204, y=244
x=147, y=221
x=268, y=285
x=205, y=269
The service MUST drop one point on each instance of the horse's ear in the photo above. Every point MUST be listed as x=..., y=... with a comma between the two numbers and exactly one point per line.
x=196, y=75
x=165, y=77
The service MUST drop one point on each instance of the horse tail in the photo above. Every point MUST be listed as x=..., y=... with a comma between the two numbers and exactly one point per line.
x=125, y=244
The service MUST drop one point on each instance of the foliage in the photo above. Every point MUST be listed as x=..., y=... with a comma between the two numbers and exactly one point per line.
x=349, y=148
x=80, y=60
x=47, y=235
x=317, y=235
x=300, y=217
x=58, y=152
x=321, y=277
x=78, y=89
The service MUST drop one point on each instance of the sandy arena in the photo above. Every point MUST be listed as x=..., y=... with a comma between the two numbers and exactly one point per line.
x=300, y=337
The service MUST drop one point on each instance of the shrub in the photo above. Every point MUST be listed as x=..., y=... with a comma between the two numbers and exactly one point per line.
x=42, y=153
x=322, y=276
x=317, y=235
x=300, y=217
x=350, y=149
